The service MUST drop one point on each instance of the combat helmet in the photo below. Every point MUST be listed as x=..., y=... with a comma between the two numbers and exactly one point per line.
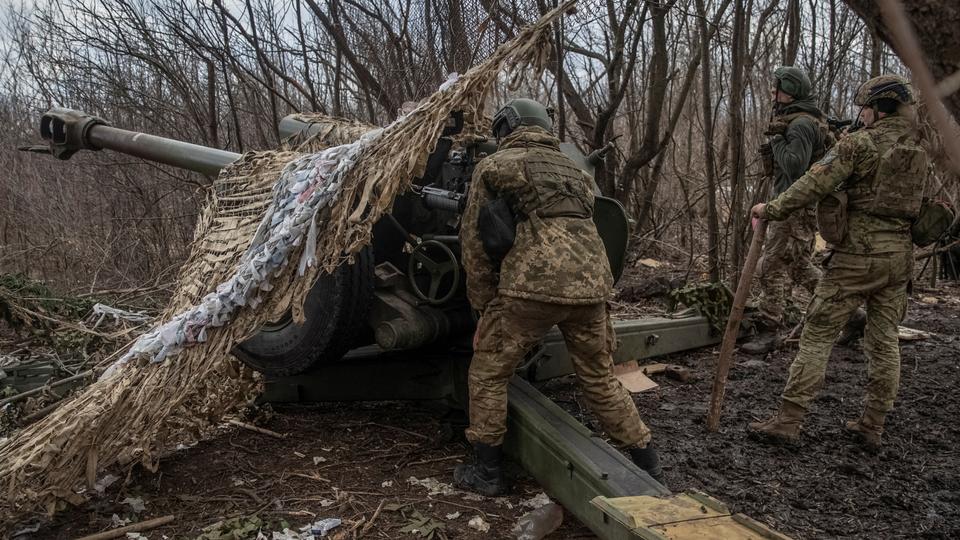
x=520, y=112
x=793, y=81
x=884, y=87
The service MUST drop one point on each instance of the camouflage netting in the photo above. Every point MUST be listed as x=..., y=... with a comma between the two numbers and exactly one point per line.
x=145, y=408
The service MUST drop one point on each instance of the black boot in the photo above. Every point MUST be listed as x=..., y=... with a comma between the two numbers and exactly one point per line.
x=648, y=460
x=483, y=476
x=854, y=328
x=762, y=343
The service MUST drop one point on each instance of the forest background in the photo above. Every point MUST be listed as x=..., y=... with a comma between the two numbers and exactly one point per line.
x=681, y=89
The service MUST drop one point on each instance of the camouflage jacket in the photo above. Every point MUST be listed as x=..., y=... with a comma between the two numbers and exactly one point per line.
x=793, y=151
x=853, y=160
x=556, y=259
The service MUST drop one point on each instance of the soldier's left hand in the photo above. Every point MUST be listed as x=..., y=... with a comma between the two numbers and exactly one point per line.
x=776, y=128
x=758, y=211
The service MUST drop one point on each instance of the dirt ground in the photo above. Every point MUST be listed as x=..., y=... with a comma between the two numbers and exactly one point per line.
x=348, y=460
x=334, y=460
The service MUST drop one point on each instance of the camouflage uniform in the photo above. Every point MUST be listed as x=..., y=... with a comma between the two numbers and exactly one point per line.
x=556, y=273
x=790, y=244
x=871, y=265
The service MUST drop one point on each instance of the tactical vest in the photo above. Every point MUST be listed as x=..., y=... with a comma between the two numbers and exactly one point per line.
x=896, y=188
x=827, y=138
x=555, y=187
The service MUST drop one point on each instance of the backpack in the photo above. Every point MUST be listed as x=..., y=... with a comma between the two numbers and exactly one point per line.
x=933, y=222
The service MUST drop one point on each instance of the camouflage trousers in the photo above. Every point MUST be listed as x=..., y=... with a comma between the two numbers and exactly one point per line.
x=787, y=253
x=880, y=282
x=510, y=328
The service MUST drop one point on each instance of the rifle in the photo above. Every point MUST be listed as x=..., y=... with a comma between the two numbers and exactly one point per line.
x=838, y=126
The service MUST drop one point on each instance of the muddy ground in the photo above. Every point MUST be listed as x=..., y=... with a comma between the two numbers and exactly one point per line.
x=827, y=486
x=348, y=460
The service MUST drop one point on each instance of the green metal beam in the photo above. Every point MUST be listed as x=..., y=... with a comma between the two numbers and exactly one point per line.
x=572, y=464
x=636, y=339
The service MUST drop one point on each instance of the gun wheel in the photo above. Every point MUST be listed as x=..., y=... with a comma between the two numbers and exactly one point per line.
x=336, y=311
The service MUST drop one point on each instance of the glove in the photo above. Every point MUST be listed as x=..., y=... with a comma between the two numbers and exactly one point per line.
x=766, y=158
x=776, y=127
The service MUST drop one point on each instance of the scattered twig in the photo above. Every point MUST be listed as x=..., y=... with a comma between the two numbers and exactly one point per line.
x=413, y=433
x=251, y=493
x=135, y=527
x=373, y=518
x=466, y=506
x=314, y=477
x=435, y=460
x=354, y=527
x=257, y=429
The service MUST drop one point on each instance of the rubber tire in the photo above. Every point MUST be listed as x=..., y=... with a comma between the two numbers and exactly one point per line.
x=336, y=310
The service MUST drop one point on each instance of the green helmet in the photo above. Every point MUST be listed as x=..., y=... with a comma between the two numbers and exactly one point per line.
x=884, y=87
x=793, y=81
x=520, y=112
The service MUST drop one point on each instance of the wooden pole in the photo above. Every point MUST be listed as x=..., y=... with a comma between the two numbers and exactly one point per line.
x=733, y=325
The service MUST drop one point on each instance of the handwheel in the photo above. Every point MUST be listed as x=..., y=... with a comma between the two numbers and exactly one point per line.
x=437, y=267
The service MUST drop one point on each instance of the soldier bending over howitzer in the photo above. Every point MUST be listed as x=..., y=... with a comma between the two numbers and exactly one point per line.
x=552, y=270
x=870, y=188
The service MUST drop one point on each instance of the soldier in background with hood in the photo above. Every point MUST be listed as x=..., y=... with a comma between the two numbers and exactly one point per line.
x=799, y=136
x=555, y=272
x=880, y=171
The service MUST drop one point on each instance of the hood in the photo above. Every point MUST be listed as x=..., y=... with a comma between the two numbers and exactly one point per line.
x=807, y=105
x=529, y=135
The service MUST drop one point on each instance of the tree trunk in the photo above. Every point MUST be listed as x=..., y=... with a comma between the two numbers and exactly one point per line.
x=793, y=33
x=936, y=23
x=736, y=171
x=713, y=226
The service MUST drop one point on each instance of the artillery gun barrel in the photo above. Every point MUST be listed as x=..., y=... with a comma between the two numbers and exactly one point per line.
x=290, y=125
x=68, y=131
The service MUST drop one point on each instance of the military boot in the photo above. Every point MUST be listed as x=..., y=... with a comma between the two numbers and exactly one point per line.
x=869, y=427
x=785, y=425
x=854, y=328
x=766, y=341
x=647, y=459
x=484, y=475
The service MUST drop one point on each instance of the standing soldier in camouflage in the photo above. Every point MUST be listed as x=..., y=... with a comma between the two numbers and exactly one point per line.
x=555, y=273
x=880, y=171
x=799, y=136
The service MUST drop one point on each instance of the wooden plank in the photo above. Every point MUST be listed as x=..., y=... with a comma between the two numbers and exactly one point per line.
x=632, y=377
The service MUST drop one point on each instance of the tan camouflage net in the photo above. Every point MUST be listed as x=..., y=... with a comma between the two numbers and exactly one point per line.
x=133, y=416
x=331, y=131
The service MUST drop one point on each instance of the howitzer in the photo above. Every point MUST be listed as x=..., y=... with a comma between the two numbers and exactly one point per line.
x=400, y=299
x=404, y=291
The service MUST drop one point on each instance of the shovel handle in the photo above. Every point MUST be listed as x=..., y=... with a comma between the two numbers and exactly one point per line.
x=733, y=325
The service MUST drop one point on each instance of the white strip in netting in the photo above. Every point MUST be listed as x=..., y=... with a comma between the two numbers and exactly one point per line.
x=306, y=188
